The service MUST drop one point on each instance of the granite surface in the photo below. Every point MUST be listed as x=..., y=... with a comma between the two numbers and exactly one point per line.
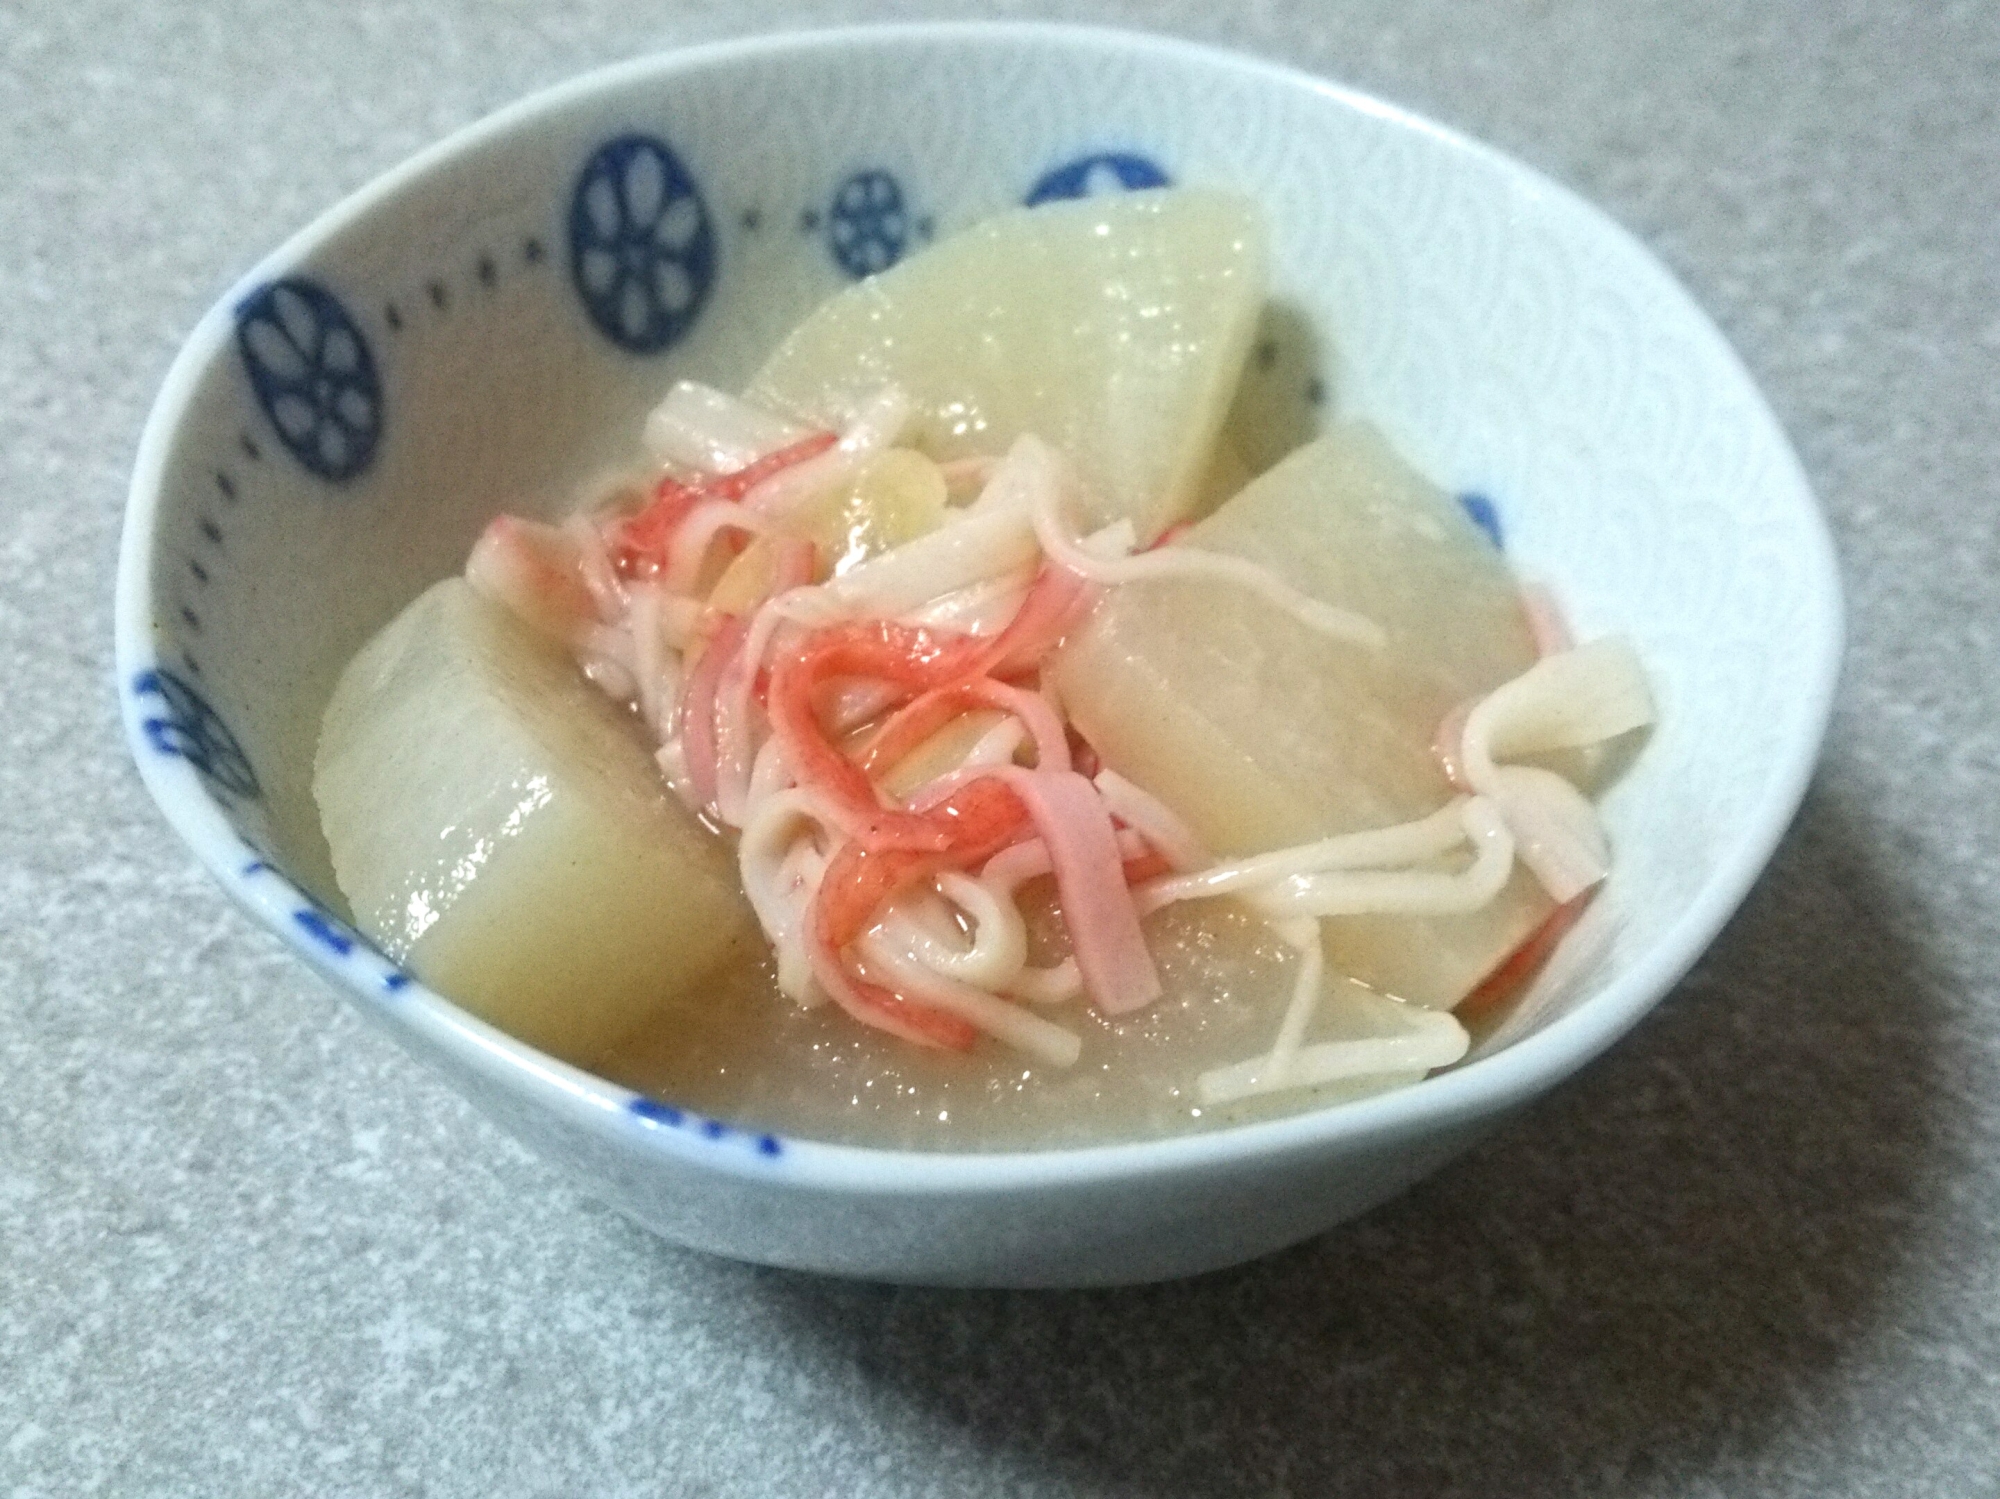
x=247, y=1248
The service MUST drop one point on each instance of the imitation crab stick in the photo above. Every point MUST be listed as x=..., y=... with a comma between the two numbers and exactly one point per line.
x=643, y=542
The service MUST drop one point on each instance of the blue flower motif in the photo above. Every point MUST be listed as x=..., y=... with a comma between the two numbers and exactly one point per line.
x=313, y=374
x=641, y=247
x=195, y=732
x=869, y=223
x=1104, y=172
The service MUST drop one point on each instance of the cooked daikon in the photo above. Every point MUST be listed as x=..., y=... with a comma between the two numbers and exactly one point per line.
x=497, y=824
x=1113, y=328
x=1060, y=819
x=1261, y=735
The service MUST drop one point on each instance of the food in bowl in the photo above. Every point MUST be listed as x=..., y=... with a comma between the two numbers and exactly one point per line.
x=948, y=744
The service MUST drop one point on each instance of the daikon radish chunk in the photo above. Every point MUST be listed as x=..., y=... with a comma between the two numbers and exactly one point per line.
x=1114, y=328
x=1261, y=735
x=497, y=825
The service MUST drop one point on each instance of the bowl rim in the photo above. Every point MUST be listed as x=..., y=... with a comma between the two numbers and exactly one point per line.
x=1461, y=1097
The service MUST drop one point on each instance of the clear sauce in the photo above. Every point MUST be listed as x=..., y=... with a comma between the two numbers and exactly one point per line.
x=749, y=1055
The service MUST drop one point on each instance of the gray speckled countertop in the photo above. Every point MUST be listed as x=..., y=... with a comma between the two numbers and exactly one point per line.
x=247, y=1248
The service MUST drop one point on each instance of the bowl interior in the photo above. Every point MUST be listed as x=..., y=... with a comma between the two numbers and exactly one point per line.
x=484, y=329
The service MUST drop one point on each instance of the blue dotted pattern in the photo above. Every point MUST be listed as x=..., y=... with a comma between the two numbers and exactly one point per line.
x=1103, y=172
x=324, y=930
x=654, y=1112
x=191, y=730
x=1484, y=514
x=642, y=248
x=312, y=372
x=868, y=225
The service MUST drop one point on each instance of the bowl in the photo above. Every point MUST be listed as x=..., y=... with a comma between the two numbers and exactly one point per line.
x=449, y=342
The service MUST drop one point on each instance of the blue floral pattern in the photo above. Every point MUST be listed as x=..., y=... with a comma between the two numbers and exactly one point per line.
x=193, y=731
x=313, y=374
x=642, y=248
x=868, y=226
x=1103, y=172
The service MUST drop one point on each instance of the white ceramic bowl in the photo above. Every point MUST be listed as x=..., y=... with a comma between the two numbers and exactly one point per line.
x=445, y=344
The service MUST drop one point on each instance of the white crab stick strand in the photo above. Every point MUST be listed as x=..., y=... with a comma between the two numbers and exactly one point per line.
x=605, y=656
x=992, y=539
x=1434, y=1039
x=1097, y=906
x=1062, y=544
x=1407, y=892
x=779, y=891
x=1294, y=887
x=1301, y=934
x=768, y=772
x=1556, y=829
x=1038, y=716
x=1021, y=1029
x=1376, y=848
x=1003, y=877
x=607, y=589
x=1056, y=984
x=790, y=884
x=697, y=534
x=799, y=877
x=877, y=423
x=999, y=947
x=655, y=662
x=699, y=427
x=1577, y=697
x=985, y=608
x=533, y=571
x=735, y=723
x=1581, y=696
x=1153, y=820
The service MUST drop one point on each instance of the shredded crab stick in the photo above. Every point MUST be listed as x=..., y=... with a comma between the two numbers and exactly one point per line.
x=1103, y=564
x=1569, y=700
x=924, y=716
x=944, y=673
x=786, y=488
x=1096, y=901
x=646, y=543
x=973, y=824
x=1500, y=987
x=735, y=705
x=911, y=658
x=700, y=428
x=787, y=714
x=1577, y=697
x=536, y=571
